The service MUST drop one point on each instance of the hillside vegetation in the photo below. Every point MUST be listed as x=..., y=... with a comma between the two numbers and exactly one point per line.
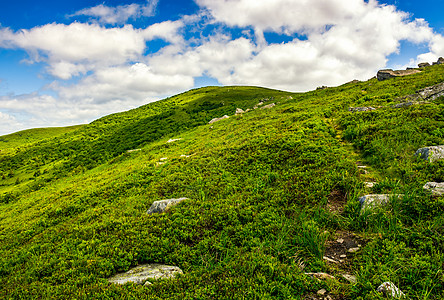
x=270, y=191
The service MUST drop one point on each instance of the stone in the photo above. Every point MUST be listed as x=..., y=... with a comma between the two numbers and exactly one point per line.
x=239, y=111
x=163, y=158
x=340, y=241
x=440, y=61
x=163, y=205
x=404, y=104
x=369, y=184
x=321, y=276
x=389, y=73
x=355, y=109
x=321, y=292
x=353, y=250
x=330, y=260
x=423, y=65
x=431, y=153
x=218, y=119
x=141, y=274
x=343, y=256
x=391, y=290
x=436, y=188
x=372, y=200
x=268, y=106
x=432, y=92
x=133, y=150
x=173, y=140
x=350, y=278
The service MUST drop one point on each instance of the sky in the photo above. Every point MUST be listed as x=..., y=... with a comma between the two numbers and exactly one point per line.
x=70, y=62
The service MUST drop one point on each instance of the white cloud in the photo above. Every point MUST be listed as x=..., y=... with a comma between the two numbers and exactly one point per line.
x=120, y=14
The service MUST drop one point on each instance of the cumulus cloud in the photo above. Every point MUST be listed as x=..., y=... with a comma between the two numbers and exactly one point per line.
x=120, y=14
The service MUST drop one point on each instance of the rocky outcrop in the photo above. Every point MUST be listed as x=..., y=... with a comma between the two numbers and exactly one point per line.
x=141, y=274
x=389, y=73
x=440, y=61
x=373, y=200
x=423, y=65
x=403, y=104
x=268, y=106
x=163, y=205
x=239, y=111
x=435, y=188
x=390, y=290
x=432, y=92
x=356, y=109
x=432, y=153
x=218, y=119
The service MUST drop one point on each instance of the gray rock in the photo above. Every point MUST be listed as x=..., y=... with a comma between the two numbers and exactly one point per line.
x=369, y=184
x=432, y=92
x=133, y=150
x=423, y=65
x=440, y=61
x=268, y=106
x=321, y=276
x=404, y=104
x=163, y=205
x=389, y=73
x=321, y=292
x=436, y=188
x=141, y=274
x=173, y=140
x=389, y=289
x=218, y=119
x=355, y=109
x=350, y=278
x=373, y=200
x=239, y=111
x=431, y=153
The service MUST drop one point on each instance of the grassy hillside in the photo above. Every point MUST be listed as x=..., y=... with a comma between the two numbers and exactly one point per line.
x=270, y=191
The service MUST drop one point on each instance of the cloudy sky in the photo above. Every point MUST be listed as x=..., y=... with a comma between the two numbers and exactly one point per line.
x=70, y=62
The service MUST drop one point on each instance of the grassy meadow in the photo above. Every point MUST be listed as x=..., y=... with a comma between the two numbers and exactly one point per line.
x=269, y=191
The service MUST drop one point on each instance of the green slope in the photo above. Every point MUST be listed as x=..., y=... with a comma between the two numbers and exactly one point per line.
x=261, y=188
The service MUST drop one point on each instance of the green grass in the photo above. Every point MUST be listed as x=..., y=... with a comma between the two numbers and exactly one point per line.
x=73, y=206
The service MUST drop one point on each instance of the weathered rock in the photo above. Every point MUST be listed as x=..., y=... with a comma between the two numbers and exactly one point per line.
x=239, y=111
x=423, y=65
x=350, y=278
x=355, y=109
x=353, y=250
x=389, y=289
x=370, y=201
x=321, y=276
x=432, y=92
x=436, y=188
x=141, y=274
x=321, y=292
x=330, y=260
x=163, y=205
x=440, y=61
x=404, y=104
x=369, y=184
x=432, y=153
x=133, y=150
x=173, y=140
x=389, y=73
x=268, y=106
x=218, y=119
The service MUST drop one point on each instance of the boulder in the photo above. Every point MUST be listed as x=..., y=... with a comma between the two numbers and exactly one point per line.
x=389, y=289
x=141, y=274
x=440, y=61
x=372, y=200
x=350, y=278
x=432, y=153
x=163, y=205
x=218, y=119
x=423, y=65
x=268, y=106
x=173, y=140
x=436, y=188
x=239, y=111
x=355, y=109
x=432, y=92
x=389, y=73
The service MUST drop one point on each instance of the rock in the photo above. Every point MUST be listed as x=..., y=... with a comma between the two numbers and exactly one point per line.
x=389, y=73
x=423, y=65
x=440, y=61
x=322, y=87
x=330, y=260
x=389, y=289
x=142, y=273
x=431, y=153
x=436, y=188
x=163, y=205
x=369, y=184
x=321, y=276
x=432, y=92
x=343, y=256
x=353, y=250
x=355, y=109
x=322, y=292
x=173, y=140
x=268, y=106
x=350, y=278
x=340, y=241
x=239, y=111
x=370, y=201
x=404, y=104
x=133, y=150
x=218, y=119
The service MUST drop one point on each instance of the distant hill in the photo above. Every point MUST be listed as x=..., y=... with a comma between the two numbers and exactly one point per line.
x=269, y=196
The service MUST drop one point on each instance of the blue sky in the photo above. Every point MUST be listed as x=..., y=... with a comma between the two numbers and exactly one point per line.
x=70, y=62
